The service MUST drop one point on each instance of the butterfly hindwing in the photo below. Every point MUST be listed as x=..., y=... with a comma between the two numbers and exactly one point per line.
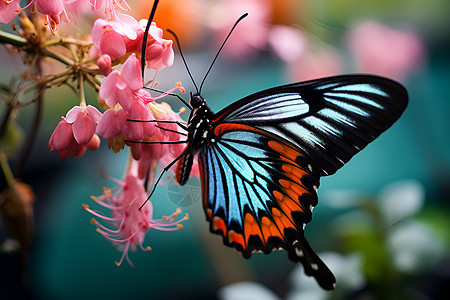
x=331, y=119
x=258, y=193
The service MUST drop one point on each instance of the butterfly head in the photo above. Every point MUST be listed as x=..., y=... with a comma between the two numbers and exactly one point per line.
x=196, y=100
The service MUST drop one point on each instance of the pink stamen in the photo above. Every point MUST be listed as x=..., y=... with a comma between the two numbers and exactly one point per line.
x=125, y=254
x=112, y=231
x=125, y=240
x=100, y=214
x=105, y=204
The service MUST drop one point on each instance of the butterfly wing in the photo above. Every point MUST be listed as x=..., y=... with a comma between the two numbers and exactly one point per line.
x=331, y=119
x=261, y=170
x=258, y=193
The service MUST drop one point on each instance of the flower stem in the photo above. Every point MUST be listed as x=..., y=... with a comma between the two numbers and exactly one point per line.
x=12, y=39
x=81, y=87
x=63, y=41
x=4, y=165
x=93, y=81
x=57, y=56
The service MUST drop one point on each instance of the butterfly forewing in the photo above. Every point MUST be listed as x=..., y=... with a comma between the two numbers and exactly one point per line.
x=331, y=119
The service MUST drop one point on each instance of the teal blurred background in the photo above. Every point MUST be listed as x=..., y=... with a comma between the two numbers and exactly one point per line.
x=70, y=260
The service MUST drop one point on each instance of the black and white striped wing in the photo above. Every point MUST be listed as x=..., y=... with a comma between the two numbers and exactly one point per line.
x=330, y=119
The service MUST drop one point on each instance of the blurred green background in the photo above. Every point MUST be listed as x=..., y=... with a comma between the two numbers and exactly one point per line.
x=355, y=216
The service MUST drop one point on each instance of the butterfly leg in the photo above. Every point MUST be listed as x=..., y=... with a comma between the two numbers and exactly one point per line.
x=166, y=168
x=183, y=126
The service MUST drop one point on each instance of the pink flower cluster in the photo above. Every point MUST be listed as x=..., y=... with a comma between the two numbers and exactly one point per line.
x=128, y=223
x=131, y=119
x=117, y=38
x=131, y=116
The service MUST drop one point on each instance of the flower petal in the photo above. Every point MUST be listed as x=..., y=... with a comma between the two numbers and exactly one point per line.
x=97, y=31
x=50, y=7
x=83, y=129
x=74, y=113
x=9, y=11
x=131, y=73
x=112, y=43
x=108, y=88
x=61, y=137
x=93, y=113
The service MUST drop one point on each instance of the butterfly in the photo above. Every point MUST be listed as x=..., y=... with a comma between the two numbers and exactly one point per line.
x=261, y=158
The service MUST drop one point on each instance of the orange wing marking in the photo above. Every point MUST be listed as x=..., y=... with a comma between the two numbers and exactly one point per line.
x=281, y=220
x=287, y=205
x=219, y=224
x=264, y=230
x=268, y=229
x=251, y=227
x=292, y=189
x=231, y=126
x=209, y=213
x=284, y=150
x=237, y=238
x=293, y=172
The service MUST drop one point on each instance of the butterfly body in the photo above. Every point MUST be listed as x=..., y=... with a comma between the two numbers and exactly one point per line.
x=261, y=158
x=199, y=133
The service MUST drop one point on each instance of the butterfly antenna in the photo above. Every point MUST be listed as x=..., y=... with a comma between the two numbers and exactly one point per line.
x=220, y=49
x=144, y=40
x=182, y=57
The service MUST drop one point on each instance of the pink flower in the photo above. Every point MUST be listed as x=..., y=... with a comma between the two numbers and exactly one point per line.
x=114, y=124
x=385, y=51
x=110, y=127
x=126, y=88
x=84, y=122
x=109, y=36
x=159, y=52
x=128, y=222
x=63, y=142
x=9, y=10
x=76, y=132
x=139, y=110
x=119, y=87
x=162, y=154
x=111, y=123
x=52, y=8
